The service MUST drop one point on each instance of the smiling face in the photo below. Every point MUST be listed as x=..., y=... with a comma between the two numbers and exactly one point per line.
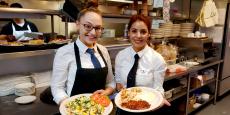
x=90, y=25
x=138, y=35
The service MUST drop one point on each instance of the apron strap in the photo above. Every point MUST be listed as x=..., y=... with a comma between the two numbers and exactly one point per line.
x=77, y=56
x=13, y=28
x=28, y=27
x=102, y=56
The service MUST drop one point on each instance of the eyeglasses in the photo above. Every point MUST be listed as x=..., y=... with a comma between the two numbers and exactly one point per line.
x=89, y=27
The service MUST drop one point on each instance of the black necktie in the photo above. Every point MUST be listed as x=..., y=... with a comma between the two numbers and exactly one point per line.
x=131, y=79
x=94, y=59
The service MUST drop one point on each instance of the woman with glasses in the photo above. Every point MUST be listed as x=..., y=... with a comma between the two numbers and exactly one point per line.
x=83, y=66
x=139, y=64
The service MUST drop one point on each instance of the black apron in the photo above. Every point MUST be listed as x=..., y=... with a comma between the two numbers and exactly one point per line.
x=88, y=80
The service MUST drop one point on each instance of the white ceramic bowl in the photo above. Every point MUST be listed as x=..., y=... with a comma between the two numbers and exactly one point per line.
x=205, y=96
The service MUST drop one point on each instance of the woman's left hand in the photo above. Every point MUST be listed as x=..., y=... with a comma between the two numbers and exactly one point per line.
x=166, y=102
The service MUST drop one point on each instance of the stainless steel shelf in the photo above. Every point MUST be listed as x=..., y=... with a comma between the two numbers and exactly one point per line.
x=49, y=51
x=191, y=70
x=30, y=11
x=193, y=110
x=27, y=13
x=26, y=54
x=205, y=83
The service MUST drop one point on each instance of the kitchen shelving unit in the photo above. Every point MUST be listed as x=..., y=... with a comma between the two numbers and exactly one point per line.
x=191, y=72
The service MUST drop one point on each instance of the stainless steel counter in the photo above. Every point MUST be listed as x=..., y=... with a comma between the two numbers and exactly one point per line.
x=9, y=107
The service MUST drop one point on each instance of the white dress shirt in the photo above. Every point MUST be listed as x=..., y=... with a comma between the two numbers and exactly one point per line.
x=151, y=68
x=65, y=67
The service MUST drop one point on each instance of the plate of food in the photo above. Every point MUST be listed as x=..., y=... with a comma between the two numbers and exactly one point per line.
x=15, y=44
x=36, y=42
x=138, y=99
x=86, y=104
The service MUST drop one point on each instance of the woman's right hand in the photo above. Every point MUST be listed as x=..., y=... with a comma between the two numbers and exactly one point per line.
x=119, y=86
x=62, y=100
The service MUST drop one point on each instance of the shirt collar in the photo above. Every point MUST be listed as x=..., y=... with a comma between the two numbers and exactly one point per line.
x=140, y=53
x=82, y=47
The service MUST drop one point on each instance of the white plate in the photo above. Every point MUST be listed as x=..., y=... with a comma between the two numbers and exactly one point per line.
x=62, y=107
x=152, y=96
x=25, y=99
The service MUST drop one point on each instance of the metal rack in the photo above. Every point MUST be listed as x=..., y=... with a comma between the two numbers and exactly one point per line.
x=188, y=75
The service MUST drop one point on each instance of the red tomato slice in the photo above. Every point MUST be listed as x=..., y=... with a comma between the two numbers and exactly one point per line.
x=101, y=99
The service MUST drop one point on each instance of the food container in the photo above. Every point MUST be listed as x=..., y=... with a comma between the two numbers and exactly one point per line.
x=205, y=97
x=152, y=14
x=130, y=12
x=109, y=33
x=176, y=68
x=168, y=94
x=196, y=105
x=171, y=62
x=196, y=81
x=192, y=101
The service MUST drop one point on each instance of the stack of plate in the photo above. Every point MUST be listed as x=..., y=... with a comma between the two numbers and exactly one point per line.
x=167, y=27
x=175, y=30
x=42, y=79
x=8, y=82
x=186, y=28
x=24, y=89
x=157, y=33
x=6, y=90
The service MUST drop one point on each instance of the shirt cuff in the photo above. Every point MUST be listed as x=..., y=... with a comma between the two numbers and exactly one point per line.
x=60, y=96
x=112, y=84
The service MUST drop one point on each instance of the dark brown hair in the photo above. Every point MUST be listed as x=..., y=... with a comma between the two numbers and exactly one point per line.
x=16, y=5
x=91, y=3
x=140, y=17
x=91, y=6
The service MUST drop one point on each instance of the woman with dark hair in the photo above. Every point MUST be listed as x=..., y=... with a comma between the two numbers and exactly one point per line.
x=17, y=27
x=139, y=64
x=83, y=66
